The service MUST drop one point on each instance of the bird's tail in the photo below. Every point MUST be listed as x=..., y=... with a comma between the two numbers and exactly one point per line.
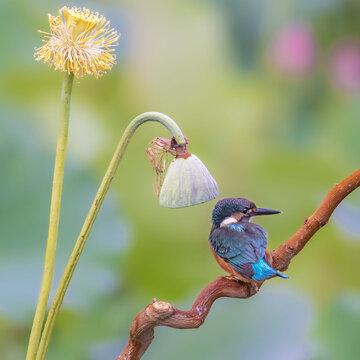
x=262, y=270
x=278, y=273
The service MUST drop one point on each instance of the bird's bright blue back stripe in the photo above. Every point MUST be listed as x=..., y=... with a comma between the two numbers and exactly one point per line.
x=262, y=270
x=236, y=227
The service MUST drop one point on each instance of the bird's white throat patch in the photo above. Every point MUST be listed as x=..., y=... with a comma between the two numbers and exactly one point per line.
x=227, y=221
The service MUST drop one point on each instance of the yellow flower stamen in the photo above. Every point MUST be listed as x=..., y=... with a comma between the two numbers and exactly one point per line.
x=79, y=42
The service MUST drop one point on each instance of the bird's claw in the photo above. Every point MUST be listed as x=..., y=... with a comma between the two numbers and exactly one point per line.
x=233, y=278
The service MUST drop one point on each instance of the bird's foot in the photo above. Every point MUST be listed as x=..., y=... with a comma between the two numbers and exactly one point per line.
x=233, y=278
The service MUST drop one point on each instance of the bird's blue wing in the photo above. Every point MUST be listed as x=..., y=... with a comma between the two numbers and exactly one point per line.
x=257, y=236
x=240, y=245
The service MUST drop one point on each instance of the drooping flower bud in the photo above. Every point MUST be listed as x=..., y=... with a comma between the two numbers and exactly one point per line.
x=187, y=182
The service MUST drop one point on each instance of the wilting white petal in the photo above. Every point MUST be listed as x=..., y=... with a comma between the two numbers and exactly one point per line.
x=187, y=182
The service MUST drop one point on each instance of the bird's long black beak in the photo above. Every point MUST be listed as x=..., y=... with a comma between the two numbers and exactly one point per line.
x=261, y=211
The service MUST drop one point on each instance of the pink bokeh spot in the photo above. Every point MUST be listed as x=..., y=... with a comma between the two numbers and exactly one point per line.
x=293, y=50
x=345, y=65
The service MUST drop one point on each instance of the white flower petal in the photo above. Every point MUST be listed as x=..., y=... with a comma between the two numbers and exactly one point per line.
x=188, y=182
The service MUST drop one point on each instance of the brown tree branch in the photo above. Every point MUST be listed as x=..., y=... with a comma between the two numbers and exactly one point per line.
x=160, y=313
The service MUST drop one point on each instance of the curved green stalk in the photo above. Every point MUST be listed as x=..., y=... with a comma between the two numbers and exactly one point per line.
x=94, y=210
x=53, y=218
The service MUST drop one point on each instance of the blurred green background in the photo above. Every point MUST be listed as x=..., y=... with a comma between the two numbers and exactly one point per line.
x=268, y=93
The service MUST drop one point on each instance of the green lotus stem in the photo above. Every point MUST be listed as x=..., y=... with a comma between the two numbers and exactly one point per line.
x=53, y=218
x=94, y=210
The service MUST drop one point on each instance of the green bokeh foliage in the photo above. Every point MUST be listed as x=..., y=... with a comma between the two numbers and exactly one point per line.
x=279, y=142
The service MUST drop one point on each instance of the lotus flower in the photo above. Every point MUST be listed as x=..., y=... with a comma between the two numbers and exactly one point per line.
x=79, y=42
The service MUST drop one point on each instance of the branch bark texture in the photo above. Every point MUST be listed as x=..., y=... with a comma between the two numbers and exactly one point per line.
x=160, y=313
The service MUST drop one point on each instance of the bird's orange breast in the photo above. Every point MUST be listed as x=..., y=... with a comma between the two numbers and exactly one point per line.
x=227, y=267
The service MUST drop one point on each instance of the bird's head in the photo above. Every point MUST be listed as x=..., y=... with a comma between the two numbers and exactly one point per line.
x=232, y=210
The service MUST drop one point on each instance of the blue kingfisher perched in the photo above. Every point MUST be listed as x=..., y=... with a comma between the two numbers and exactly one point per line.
x=238, y=245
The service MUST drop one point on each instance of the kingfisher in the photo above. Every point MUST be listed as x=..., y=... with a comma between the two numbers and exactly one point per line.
x=238, y=245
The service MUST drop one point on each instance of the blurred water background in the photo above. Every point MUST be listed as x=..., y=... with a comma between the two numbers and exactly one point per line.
x=268, y=93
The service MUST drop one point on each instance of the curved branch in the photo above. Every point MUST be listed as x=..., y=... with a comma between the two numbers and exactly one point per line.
x=284, y=253
x=160, y=313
